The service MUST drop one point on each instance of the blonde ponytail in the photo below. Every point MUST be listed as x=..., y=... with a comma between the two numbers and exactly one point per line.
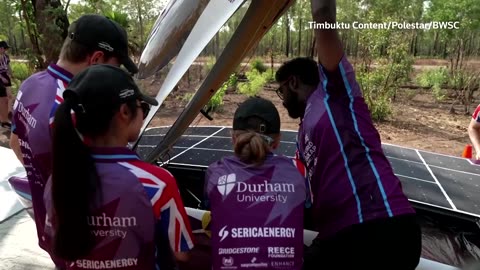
x=250, y=147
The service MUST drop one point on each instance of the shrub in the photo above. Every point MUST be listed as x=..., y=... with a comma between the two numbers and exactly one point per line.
x=217, y=100
x=269, y=75
x=254, y=85
x=432, y=77
x=258, y=65
x=21, y=71
x=435, y=79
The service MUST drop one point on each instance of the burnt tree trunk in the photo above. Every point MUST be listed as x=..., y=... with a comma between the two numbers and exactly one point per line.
x=52, y=23
x=287, y=32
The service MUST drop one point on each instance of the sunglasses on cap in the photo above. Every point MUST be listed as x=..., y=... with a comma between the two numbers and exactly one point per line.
x=145, y=108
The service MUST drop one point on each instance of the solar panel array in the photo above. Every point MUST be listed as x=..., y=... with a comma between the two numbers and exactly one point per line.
x=430, y=179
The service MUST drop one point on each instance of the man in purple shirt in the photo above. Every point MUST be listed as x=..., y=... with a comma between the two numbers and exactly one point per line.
x=256, y=197
x=362, y=216
x=92, y=39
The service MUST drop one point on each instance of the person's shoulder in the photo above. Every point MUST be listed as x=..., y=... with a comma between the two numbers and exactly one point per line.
x=36, y=80
x=151, y=174
x=476, y=114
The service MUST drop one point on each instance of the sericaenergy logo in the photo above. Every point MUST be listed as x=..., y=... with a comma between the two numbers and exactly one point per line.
x=223, y=233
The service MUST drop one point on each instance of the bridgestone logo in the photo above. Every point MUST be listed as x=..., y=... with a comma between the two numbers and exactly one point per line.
x=242, y=250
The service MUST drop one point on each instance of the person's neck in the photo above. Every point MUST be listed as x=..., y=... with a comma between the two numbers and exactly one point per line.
x=307, y=93
x=70, y=67
x=108, y=141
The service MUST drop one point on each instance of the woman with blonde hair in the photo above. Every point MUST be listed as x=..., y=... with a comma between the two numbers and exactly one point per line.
x=256, y=197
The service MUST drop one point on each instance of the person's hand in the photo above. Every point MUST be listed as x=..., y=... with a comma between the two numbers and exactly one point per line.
x=477, y=156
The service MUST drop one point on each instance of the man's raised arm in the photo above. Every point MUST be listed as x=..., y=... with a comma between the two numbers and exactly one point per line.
x=329, y=46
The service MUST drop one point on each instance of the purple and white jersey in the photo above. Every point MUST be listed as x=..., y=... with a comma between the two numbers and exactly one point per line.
x=257, y=214
x=141, y=215
x=123, y=222
x=351, y=179
x=34, y=108
x=4, y=63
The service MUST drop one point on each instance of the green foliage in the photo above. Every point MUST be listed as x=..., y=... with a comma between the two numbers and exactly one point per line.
x=431, y=77
x=269, y=75
x=118, y=17
x=217, y=100
x=255, y=83
x=21, y=71
x=258, y=65
x=188, y=96
x=209, y=64
x=435, y=79
x=380, y=84
x=438, y=92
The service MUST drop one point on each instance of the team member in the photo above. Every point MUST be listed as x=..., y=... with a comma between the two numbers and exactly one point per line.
x=5, y=84
x=363, y=218
x=256, y=198
x=474, y=131
x=92, y=39
x=99, y=199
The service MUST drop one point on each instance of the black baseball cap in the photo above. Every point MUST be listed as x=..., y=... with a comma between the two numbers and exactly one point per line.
x=106, y=86
x=4, y=44
x=97, y=31
x=257, y=114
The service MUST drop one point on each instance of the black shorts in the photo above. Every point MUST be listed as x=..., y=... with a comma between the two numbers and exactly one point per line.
x=3, y=90
x=9, y=81
x=393, y=243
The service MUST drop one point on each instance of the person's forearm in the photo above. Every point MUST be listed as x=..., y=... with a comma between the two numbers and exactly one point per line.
x=329, y=46
x=474, y=135
x=181, y=256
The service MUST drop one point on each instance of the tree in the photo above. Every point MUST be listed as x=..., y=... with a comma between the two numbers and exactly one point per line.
x=52, y=23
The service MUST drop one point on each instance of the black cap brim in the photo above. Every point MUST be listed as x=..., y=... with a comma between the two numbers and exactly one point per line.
x=129, y=64
x=149, y=100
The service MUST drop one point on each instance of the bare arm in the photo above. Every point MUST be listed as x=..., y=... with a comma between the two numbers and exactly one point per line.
x=474, y=133
x=15, y=145
x=329, y=46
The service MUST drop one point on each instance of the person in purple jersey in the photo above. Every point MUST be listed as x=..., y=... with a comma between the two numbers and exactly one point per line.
x=5, y=84
x=100, y=195
x=363, y=218
x=256, y=198
x=92, y=39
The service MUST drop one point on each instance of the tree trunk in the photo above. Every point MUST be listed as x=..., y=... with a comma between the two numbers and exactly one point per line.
x=32, y=34
x=140, y=20
x=287, y=32
x=435, y=44
x=299, y=50
x=312, y=49
x=52, y=25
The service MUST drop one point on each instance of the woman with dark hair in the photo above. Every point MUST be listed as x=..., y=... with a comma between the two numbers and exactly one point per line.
x=256, y=198
x=100, y=195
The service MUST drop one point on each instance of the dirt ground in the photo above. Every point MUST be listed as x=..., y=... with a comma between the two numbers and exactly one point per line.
x=417, y=120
